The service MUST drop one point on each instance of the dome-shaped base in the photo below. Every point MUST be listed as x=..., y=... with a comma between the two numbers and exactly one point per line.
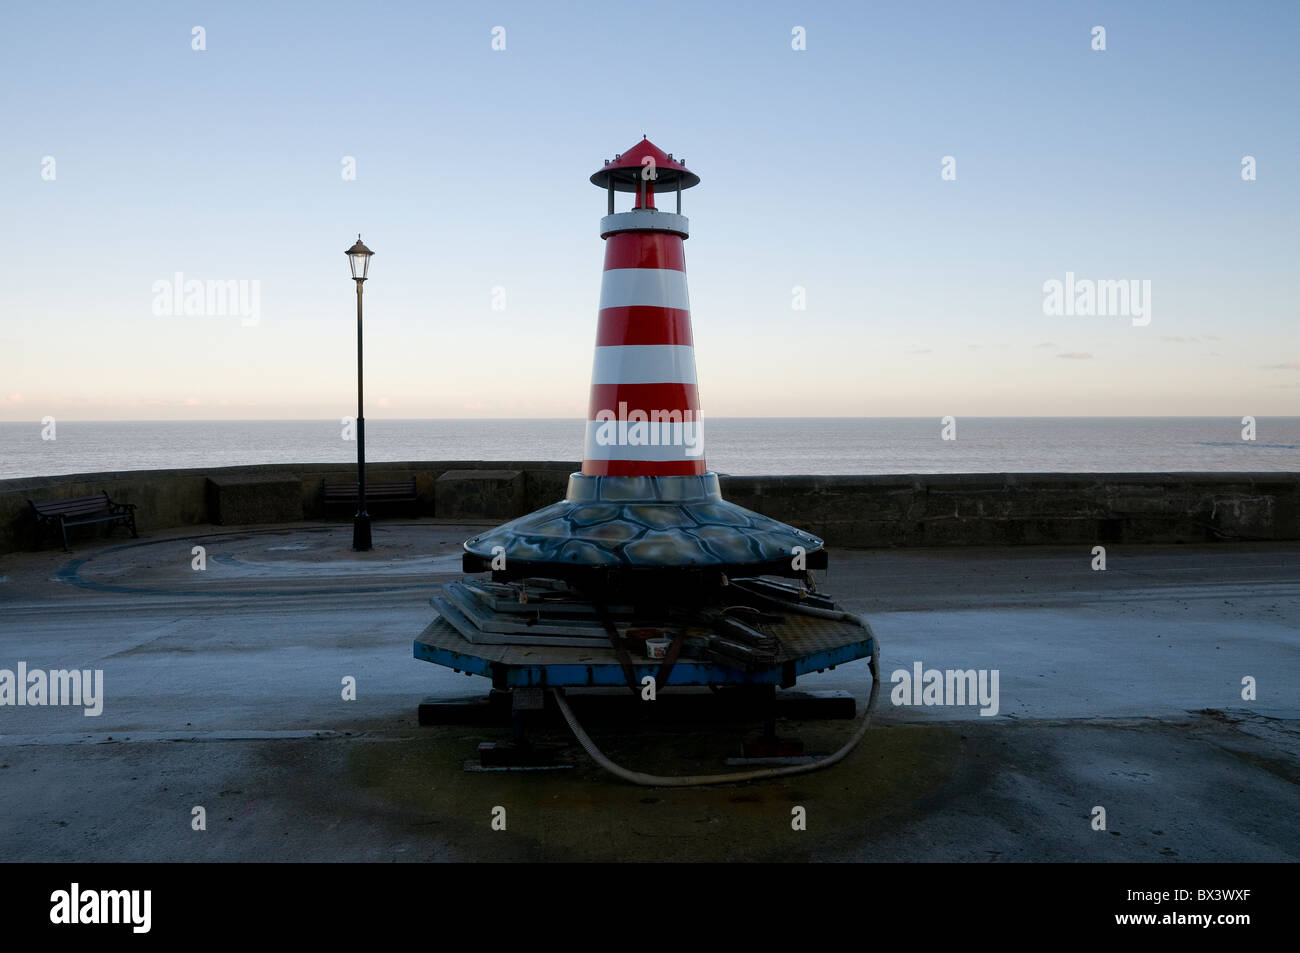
x=618, y=527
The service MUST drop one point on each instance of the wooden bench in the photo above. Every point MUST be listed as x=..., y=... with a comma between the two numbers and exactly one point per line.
x=81, y=510
x=340, y=493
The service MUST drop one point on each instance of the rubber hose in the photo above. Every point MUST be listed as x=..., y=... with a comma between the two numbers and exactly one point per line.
x=686, y=781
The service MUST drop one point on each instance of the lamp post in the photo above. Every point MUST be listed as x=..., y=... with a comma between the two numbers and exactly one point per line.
x=359, y=259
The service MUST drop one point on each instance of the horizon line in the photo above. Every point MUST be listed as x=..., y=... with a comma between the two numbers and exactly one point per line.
x=232, y=420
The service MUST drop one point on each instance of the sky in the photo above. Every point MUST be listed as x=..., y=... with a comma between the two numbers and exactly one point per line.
x=127, y=156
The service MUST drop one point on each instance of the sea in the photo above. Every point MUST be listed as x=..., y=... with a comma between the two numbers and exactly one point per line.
x=735, y=445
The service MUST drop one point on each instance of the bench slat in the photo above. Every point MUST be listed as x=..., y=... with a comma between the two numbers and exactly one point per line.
x=104, y=518
x=80, y=504
x=73, y=510
x=403, y=492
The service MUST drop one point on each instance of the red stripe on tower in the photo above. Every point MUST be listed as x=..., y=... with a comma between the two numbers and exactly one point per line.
x=651, y=468
x=661, y=396
x=643, y=326
x=644, y=250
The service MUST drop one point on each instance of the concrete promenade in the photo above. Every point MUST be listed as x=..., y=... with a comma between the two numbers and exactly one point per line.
x=1120, y=689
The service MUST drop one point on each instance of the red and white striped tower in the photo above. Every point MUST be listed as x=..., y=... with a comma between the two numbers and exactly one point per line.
x=644, y=418
x=644, y=509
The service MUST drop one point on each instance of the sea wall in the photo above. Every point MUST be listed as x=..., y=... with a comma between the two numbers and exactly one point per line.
x=864, y=511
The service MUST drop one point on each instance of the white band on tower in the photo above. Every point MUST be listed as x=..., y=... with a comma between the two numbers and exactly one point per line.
x=644, y=287
x=644, y=364
x=643, y=440
x=645, y=220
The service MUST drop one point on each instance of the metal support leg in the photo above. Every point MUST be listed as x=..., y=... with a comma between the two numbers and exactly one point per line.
x=520, y=752
x=768, y=745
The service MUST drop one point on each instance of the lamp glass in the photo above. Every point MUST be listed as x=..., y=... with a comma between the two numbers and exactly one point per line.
x=359, y=259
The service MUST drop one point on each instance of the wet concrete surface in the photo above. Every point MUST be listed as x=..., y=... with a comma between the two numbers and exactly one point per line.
x=1120, y=689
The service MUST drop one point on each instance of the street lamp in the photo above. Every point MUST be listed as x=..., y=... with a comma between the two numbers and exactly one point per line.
x=359, y=259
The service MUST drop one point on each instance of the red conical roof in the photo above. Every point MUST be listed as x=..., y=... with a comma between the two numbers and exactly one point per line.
x=625, y=170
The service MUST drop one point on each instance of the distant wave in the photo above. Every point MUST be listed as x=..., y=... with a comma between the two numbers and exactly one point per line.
x=1248, y=443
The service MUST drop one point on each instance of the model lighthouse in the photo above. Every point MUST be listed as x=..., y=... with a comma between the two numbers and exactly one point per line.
x=643, y=573
x=644, y=506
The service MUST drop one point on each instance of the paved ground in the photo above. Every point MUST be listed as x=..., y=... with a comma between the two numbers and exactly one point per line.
x=1120, y=689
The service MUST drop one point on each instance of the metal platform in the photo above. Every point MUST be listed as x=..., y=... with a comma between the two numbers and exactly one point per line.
x=806, y=645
